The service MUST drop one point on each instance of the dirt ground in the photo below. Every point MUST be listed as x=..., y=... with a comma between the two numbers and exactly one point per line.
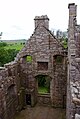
x=41, y=112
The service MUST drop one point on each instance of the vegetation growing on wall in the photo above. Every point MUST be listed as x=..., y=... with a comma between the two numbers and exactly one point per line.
x=65, y=43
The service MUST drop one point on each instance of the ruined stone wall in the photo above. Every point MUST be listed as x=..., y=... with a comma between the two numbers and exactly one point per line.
x=39, y=57
x=77, y=37
x=43, y=47
x=73, y=88
x=59, y=83
x=9, y=90
x=71, y=57
x=42, y=55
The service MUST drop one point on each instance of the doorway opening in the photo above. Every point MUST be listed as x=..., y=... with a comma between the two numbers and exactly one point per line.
x=28, y=99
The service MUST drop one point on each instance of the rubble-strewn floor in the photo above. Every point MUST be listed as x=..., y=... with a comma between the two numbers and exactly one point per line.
x=40, y=112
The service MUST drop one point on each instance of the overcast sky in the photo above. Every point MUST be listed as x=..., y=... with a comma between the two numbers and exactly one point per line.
x=17, y=16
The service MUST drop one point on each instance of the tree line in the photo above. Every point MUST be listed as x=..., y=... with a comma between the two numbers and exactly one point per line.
x=6, y=55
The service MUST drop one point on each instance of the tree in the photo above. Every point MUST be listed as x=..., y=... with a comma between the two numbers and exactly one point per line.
x=3, y=44
x=7, y=56
x=12, y=54
x=3, y=56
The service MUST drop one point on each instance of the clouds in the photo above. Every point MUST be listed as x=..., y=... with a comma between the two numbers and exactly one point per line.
x=17, y=15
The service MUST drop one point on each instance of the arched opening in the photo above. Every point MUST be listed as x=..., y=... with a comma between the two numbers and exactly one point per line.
x=11, y=101
x=43, y=84
x=11, y=92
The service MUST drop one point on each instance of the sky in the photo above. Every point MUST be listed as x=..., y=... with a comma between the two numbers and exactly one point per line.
x=17, y=16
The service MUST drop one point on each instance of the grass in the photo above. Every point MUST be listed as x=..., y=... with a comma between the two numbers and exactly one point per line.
x=42, y=90
x=16, y=46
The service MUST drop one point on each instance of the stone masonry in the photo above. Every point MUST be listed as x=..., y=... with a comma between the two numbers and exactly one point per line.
x=73, y=82
x=42, y=55
x=44, y=49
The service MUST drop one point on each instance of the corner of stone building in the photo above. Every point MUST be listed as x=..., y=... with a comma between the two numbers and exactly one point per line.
x=73, y=84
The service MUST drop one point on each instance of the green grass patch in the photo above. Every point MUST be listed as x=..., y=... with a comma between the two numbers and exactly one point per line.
x=17, y=46
x=42, y=90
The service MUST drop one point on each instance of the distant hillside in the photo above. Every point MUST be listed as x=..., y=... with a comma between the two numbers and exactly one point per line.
x=13, y=41
x=14, y=44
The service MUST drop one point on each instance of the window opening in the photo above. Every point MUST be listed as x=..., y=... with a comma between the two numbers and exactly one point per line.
x=29, y=58
x=58, y=59
x=43, y=84
x=42, y=65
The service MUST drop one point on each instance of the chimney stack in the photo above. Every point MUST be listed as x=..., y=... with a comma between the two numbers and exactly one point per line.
x=42, y=21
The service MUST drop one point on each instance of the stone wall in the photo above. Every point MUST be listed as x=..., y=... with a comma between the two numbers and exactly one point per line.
x=9, y=90
x=59, y=87
x=44, y=99
x=42, y=47
x=73, y=88
x=42, y=54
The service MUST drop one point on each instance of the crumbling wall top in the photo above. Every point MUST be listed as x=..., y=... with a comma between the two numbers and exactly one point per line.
x=41, y=17
x=71, y=4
